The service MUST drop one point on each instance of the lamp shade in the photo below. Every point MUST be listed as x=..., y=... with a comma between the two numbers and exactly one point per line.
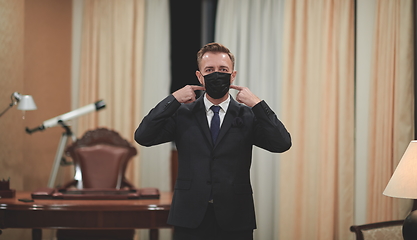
x=26, y=103
x=403, y=183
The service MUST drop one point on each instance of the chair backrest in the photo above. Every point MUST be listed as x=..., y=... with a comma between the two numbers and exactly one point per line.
x=101, y=155
x=389, y=230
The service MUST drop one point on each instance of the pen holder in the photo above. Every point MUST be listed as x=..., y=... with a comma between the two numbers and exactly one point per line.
x=5, y=191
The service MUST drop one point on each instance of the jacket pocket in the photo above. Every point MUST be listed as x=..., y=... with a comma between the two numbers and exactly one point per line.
x=242, y=189
x=183, y=184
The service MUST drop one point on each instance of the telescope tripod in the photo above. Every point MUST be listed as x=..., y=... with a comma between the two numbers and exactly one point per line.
x=59, y=160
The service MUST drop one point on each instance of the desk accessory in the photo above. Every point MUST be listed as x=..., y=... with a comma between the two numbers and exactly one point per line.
x=5, y=191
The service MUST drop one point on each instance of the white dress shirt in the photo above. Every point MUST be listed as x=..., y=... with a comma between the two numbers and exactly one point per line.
x=223, y=109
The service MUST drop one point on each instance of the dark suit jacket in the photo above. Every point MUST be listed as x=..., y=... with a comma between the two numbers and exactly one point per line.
x=222, y=168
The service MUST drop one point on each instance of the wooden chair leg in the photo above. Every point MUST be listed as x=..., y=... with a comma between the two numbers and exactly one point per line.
x=36, y=234
x=153, y=234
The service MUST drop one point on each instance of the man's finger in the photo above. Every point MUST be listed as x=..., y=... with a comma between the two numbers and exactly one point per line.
x=236, y=87
x=195, y=87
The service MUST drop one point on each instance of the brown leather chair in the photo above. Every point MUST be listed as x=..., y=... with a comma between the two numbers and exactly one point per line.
x=388, y=230
x=100, y=159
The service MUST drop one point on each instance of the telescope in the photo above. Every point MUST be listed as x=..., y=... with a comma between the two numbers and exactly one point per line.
x=68, y=116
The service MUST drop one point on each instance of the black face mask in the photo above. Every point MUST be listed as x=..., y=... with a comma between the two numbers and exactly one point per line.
x=217, y=84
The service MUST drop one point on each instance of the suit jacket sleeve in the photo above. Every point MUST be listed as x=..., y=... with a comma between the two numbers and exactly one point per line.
x=159, y=125
x=270, y=133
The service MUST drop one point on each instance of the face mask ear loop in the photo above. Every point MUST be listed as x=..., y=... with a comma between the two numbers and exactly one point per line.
x=201, y=76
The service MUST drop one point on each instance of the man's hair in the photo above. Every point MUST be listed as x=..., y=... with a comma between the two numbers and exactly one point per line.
x=217, y=48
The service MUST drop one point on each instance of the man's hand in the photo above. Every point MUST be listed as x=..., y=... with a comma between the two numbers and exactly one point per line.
x=187, y=94
x=245, y=96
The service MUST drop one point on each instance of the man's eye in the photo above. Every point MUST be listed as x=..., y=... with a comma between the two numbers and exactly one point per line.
x=209, y=70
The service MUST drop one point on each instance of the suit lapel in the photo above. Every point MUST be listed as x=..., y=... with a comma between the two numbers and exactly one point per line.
x=201, y=116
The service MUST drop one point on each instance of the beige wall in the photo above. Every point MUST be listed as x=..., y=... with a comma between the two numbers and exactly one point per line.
x=35, y=59
x=11, y=80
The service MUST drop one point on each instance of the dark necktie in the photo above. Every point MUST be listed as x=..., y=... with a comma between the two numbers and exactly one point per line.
x=215, y=123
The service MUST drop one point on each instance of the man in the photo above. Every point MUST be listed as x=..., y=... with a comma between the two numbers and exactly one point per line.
x=213, y=194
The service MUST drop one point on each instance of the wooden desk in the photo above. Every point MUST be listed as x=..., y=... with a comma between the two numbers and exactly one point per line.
x=84, y=214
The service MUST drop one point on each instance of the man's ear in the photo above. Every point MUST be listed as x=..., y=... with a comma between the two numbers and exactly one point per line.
x=232, y=78
x=200, y=77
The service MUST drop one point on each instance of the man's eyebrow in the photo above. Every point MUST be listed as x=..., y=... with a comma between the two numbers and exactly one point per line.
x=212, y=67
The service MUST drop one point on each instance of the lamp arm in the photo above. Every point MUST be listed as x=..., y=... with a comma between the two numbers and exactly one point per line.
x=15, y=99
x=5, y=110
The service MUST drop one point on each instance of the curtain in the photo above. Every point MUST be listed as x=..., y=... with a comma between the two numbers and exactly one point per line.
x=154, y=161
x=112, y=67
x=154, y=169
x=317, y=178
x=125, y=62
x=252, y=30
x=298, y=56
x=392, y=108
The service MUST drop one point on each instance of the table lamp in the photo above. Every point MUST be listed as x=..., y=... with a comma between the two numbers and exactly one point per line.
x=403, y=184
x=25, y=102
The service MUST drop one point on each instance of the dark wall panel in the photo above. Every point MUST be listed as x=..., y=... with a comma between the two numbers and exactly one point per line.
x=185, y=41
